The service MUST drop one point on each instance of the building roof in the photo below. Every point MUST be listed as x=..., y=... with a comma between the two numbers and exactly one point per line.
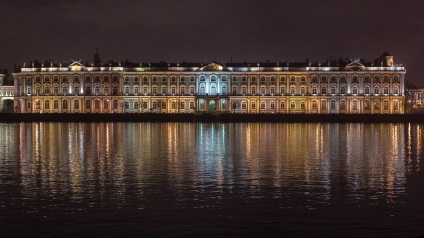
x=330, y=64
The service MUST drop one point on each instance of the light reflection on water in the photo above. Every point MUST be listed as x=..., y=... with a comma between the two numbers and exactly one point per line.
x=275, y=177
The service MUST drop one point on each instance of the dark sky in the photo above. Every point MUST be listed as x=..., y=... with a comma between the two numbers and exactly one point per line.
x=195, y=30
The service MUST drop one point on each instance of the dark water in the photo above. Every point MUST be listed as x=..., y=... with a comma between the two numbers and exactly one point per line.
x=194, y=179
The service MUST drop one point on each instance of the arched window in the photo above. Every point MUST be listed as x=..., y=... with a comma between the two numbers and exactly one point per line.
x=367, y=90
x=376, y=105
x=115, y=104
x=97, y=104
x=263, y=106
x=302, y=105
x=323, y=105
x=333, y=105
x=342, y=90
x=314, y=105
x=76, y=104
x=213, y=88
x=355, y=105
x=386, y=105
x=46, y=91
x=127, y=105
x=87, y=90
x=292, y=105
x=192, y=105
x=342, y=105
x=65, y=105
x=115, y=90
x=154, y=105
x=243, y=105
x=145, y=105
x=376, y=90
x=282, y=90
x=366, y=105
x=136, y=105
x=97, y=90
x=202, y=89
x=88, y=104
x=323, y=90
x=272, y=105
x=106, y=104
x=283, y=105
x=253, y=89
x=56, y=104
x=395, y=90
x=333, y=90
x=201, y=104
x=386, y=90
x=354, y=90
x=46, y=105
x=182, y=105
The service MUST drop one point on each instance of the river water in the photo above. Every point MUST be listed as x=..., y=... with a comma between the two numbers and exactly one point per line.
x=211, y=179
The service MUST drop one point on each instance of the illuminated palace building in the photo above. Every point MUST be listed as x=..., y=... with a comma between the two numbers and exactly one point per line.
x=336, y=86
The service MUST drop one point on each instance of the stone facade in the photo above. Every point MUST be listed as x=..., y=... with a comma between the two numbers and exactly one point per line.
x=336, y=86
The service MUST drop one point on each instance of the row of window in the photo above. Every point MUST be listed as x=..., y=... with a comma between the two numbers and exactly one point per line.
x=213, y=90
x=182, y=105
x=213, y=78
x=314, y=105
x=88, y=105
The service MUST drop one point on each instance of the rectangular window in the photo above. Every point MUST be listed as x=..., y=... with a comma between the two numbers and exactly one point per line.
x=191, y=105
x=355, y=105
x=282, y=105
x=272, y=105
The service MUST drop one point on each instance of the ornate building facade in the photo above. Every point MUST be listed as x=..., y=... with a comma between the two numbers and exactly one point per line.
x=6, y=93
x=340, y=85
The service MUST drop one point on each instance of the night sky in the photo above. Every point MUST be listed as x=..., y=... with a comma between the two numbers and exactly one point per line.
x=194, y=30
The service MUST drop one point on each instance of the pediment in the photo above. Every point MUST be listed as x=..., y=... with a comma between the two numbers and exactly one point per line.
x=76, y=66
x=212, y=67
x=355, y=65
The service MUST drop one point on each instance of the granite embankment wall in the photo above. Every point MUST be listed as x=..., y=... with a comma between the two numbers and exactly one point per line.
x=164, y=117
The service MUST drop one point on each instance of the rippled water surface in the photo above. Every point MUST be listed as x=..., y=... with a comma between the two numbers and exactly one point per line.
x=197, y=179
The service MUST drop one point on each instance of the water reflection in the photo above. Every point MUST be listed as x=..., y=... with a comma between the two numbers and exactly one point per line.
x=81, y=166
